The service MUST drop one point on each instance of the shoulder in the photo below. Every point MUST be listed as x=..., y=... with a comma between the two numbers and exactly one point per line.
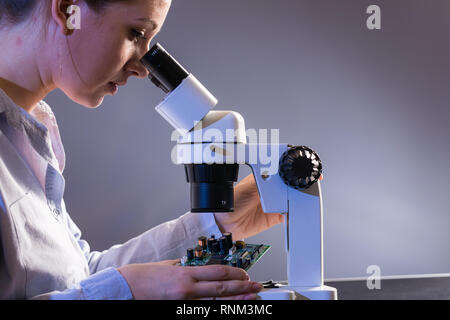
x=15, y=181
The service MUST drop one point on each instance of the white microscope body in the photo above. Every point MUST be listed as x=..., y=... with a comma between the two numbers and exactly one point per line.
x=205, y=136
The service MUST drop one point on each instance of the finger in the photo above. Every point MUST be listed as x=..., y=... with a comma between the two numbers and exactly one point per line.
x=169, y=262
x=249, y=296
x=226, y=288
x=217, y=272
x=249, y=178
x=275, y=218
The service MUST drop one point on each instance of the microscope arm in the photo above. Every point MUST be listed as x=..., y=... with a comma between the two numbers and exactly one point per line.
x=303, y=223
x=303, y=233
x=302, y=209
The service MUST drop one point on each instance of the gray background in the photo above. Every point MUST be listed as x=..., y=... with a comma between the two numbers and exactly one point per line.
x=374, y=104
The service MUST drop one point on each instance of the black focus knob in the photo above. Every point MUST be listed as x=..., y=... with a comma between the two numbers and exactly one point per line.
x=300, y=167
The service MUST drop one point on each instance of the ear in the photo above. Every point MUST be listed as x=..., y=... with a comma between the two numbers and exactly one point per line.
x=60, y=15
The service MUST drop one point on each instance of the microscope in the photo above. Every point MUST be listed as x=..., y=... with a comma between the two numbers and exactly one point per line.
x=211, y=145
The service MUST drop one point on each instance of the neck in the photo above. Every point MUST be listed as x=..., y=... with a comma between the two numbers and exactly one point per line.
x=22, y=75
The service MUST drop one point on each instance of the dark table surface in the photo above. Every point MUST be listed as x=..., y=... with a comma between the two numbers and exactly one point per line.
x=435, y=288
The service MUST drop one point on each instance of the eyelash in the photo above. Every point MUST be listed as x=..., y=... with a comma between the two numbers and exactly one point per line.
x=138, y=35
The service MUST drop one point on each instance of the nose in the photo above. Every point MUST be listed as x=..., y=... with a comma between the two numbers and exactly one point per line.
x=136, y=68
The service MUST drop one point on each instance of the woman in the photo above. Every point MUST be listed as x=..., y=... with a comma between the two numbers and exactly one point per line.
x=42, y=253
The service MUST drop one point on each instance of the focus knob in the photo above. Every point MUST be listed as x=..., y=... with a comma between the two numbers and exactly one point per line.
x=300, y=167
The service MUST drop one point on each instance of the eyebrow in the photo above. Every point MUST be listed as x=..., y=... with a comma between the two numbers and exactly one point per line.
x=154, y=24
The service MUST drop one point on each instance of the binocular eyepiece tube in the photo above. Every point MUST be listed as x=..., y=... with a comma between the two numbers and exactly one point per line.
x=211, y=185
x=165, y=72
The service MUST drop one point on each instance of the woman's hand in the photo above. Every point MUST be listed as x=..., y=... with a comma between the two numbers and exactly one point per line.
x=166, y=281
x=248, y=217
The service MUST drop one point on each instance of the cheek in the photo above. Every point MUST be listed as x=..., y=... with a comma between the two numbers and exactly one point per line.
x=85, y=78
x=98, y=58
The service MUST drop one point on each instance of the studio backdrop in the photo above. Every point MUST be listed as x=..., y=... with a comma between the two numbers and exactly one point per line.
x=374, y=103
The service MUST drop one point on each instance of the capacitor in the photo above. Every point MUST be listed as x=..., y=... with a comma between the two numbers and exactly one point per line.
x=198, y=253
x=229, y=239
x=210, y=243
x=247, y=261
x=233, y=263
x=240, y=244
x=215, y=247
x=202, y=242
x=223, y=244
x=190, y=254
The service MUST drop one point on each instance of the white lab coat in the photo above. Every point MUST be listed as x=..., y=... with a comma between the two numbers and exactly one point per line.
x=41, y=247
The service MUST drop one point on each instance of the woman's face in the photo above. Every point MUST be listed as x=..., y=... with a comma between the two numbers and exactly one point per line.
x=107, y=49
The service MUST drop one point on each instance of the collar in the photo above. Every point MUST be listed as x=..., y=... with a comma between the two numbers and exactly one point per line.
x=36, y=126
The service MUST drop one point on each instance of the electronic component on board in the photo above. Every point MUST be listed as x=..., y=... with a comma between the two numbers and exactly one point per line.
x=202, y=242
x=240, y=244
x=190, y=254
x=198, y=253
x=224, y=246
x=223, y=251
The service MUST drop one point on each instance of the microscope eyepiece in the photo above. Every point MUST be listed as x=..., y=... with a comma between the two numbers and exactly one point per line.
x=165, y=72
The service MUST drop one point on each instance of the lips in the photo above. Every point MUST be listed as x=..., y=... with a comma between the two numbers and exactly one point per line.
x=113, y=88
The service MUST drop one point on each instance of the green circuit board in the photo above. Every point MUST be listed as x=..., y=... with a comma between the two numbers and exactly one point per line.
x=244, y=257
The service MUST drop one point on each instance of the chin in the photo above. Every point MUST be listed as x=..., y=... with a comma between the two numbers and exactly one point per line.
x=87, y=100
x=91, y=102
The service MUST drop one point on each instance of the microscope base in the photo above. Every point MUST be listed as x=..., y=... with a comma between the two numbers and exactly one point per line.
x=284, y=292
